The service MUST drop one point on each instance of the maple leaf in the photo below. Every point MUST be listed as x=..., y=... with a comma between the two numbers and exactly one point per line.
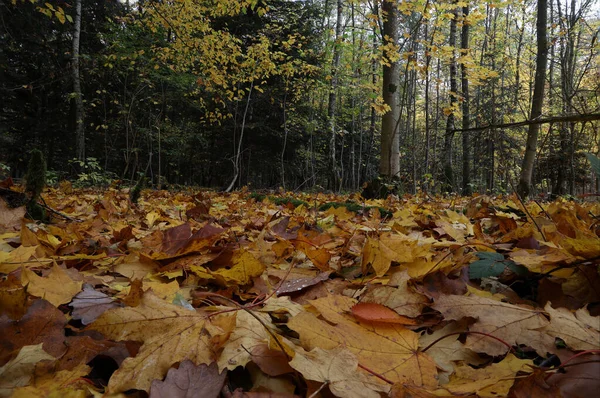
x=492, y=381
x=449, y=350
x=389, y=350
x=244, y=267
x=170, y=334
x=248, y=334
x=64, y=383
x=58, y=288
x=397, y=295
x=43, y=323
x=580, y=331
x=338, y=368
x=388, y=248
x=19, y=371
x=189, y=380
x=505, y=321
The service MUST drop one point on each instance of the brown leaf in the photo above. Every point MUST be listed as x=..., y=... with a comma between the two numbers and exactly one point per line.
x=298, y=284
x=272, y=362
x=190, y=380
x=10, y=219
x=12, y=297
x=43, y=323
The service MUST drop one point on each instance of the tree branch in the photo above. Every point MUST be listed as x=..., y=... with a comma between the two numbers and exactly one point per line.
x=586, y=117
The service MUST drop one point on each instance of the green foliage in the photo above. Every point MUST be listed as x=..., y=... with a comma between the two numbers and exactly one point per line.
x=4, y=169
x=35, y=180
x=595, y=162
x=278, y=200
x=492, y=264
x=91, y=174
x=355, y=207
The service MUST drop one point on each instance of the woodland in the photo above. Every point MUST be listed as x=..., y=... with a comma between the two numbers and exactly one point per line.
x=299, y=198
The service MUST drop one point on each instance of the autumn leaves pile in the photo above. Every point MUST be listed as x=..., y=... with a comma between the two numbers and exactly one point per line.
x=203, y=294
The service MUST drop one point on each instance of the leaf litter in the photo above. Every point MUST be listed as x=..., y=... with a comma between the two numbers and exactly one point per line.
x=200, y=293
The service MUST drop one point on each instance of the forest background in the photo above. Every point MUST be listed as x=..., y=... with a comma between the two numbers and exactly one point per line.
x=322, y=94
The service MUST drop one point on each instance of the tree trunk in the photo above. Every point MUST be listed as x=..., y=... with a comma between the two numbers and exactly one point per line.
x=389, y=165
x=331, y=109
x=448, y=181
x=466, y=158
x=79, y=115
x=524, y=188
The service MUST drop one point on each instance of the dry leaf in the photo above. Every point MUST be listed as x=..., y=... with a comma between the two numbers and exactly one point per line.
x=190, y=380
x=504, y=321
x=170, y=334
x=336, y=367
x=58, y=288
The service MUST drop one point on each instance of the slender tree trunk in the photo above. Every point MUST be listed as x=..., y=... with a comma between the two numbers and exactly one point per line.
x=389, y=165
x=524, y=188
x=450, y=127
x=79, y=114
x=331, y=109
x=466, y=122
x=427, y=86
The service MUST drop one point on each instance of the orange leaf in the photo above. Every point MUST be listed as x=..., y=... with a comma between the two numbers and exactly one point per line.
x=370, y=312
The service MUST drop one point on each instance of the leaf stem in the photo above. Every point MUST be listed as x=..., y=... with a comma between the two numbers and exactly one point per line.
x=469, y=332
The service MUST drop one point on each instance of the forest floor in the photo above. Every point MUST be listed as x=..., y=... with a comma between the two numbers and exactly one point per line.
x=242, y=295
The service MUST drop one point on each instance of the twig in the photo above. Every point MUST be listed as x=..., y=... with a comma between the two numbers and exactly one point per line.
x=56, y=211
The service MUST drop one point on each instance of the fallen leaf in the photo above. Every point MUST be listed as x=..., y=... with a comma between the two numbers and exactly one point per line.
x=398, y=296
x=389, y=350
x=170, y=334
x=43, y=323
x=19, y=371
x=502, y=320
x=244, y=267
x=272, y=362
x=336, y=367
x=190, y=380
x=580, y=331
x=58, y=288
x=89, y=304
x=371, y=312
x=494, y=380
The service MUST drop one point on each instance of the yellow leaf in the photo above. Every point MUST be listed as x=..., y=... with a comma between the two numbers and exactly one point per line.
x=338, y=368
x=245, y=267
x=494, y=380
x=19, y=371
x=389, y=350
x=16, y=258
x=170, y=334
x=58, y=288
